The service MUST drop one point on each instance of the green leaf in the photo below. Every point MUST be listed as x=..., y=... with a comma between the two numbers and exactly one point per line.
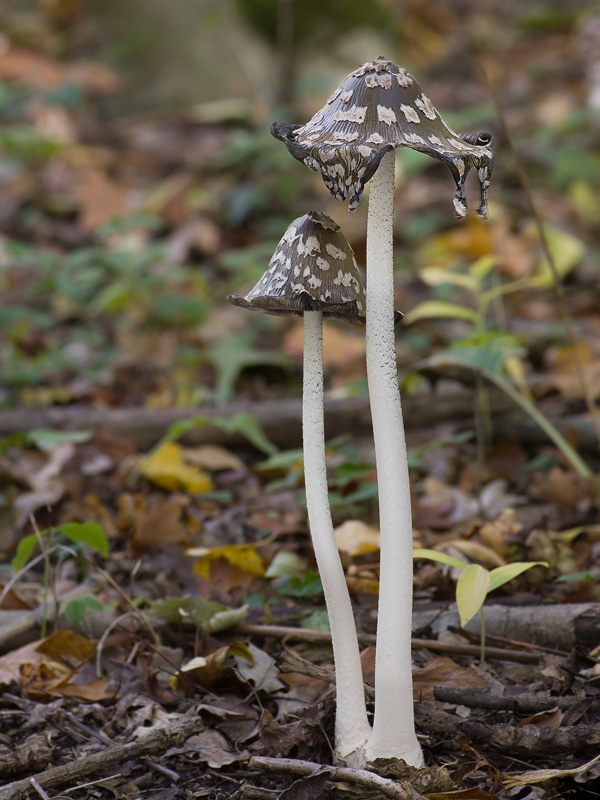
x=24, y=550
x=501, y=575
x=471, y=590
x=48, y=440
x=222, y=620
x=75, y=610
x=285, y=565
x=317, y=621
x=442, y=558
x=245, y=424
x=437, y=276
x=434, y=309
x=480, y=268
x=88, y=533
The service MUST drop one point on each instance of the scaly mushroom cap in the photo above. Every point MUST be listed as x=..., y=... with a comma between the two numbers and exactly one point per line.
x=377, y=108
x=312, y=269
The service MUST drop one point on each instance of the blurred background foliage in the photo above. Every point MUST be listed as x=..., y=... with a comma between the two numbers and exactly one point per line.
x=139, y=186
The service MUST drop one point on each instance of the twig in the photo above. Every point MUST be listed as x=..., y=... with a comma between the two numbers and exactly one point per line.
x=368, y=639
x=399, y=790
x=476, y=698
x=38, y=789
x=155, y=742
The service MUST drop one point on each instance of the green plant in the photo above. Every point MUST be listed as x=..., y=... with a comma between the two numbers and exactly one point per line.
x=475, y=583
x=492, y=354
x=53, y=540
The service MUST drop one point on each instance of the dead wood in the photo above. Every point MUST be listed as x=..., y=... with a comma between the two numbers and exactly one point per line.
x=521, y=704
x=525, y=741
x=398, y=790
x=280, y=419
x=157, y=741
x=559, y=627
x=369, y=639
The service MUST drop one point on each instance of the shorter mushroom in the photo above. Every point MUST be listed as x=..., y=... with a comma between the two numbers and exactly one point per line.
x=313, y=272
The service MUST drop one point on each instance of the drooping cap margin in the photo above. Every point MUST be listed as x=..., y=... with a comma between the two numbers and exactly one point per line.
x=377, y=108
x=312, y=269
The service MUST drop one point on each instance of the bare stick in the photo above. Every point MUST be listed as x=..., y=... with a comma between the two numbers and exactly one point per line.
x=399, y=790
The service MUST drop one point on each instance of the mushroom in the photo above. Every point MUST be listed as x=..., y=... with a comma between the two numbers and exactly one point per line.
x=350, y=141
x=313, y=272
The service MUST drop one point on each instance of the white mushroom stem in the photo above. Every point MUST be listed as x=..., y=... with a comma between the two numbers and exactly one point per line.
x=393, y=733
x=351, y=725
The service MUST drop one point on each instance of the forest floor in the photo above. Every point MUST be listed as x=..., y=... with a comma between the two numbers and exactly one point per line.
x=162, y=624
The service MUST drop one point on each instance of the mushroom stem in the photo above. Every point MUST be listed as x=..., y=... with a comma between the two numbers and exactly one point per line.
x=393, y=733
x=351, y=725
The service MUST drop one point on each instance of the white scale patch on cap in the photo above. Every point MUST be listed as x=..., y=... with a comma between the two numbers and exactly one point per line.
x=335, y=169
x=343, y=278
x=289, y=236
x=383, y=79
x=345, y=97
x=426, y=106
x=410, y=113
x=435, y=140
x=335, y=252
x=309, y=247
x=345, y=136
x=297, y=287
x=460, y=145
x=415, y=138
x=352, y=114
x=376, y=138
x=314, y=282
x=323, y=264
x=386, y=115
x=404, y=78
x=364, y=150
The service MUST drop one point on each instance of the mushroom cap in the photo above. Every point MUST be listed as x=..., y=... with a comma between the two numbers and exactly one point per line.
x=312, y=269
x=377, y=108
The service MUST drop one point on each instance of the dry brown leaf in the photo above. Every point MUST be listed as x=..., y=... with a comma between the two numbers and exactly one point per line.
x=100, y=198
x=158, y=521
x=341, y=346
x=498, y=533
x=444, y=671
x=212, y=457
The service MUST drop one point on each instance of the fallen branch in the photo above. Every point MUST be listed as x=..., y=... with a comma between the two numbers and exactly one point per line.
x=368, y=639
x=520, y=704
x=525, y=741
x=280, y=419
x=398, y=790
x=155, y=742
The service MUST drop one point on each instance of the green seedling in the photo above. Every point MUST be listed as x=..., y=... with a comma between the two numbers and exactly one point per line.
x=475, y=583
x=490, y=353
x=52, y=540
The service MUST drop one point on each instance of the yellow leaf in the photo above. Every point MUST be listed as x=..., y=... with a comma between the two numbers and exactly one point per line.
x=434, y=309
x=355, y=537
x=566, y=251
x=243, y=556
x=166, y=468
x=471, y=590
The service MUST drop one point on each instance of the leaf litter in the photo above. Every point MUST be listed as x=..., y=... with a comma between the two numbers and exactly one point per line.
x=108, y=313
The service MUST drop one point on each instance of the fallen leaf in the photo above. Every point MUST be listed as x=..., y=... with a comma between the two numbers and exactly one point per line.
x=445, y=672
x=243, y=556
x=213, y=458
x=212, y=748
x=100, y=198
x=261, y=671
x=158, y=522
x=67, y=644
x=167, y=468
x=499, y=532
x=356, y=537
x=341, y=346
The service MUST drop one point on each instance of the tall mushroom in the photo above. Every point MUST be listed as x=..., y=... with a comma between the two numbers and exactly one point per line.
x=313, y=272
x=350, y=141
